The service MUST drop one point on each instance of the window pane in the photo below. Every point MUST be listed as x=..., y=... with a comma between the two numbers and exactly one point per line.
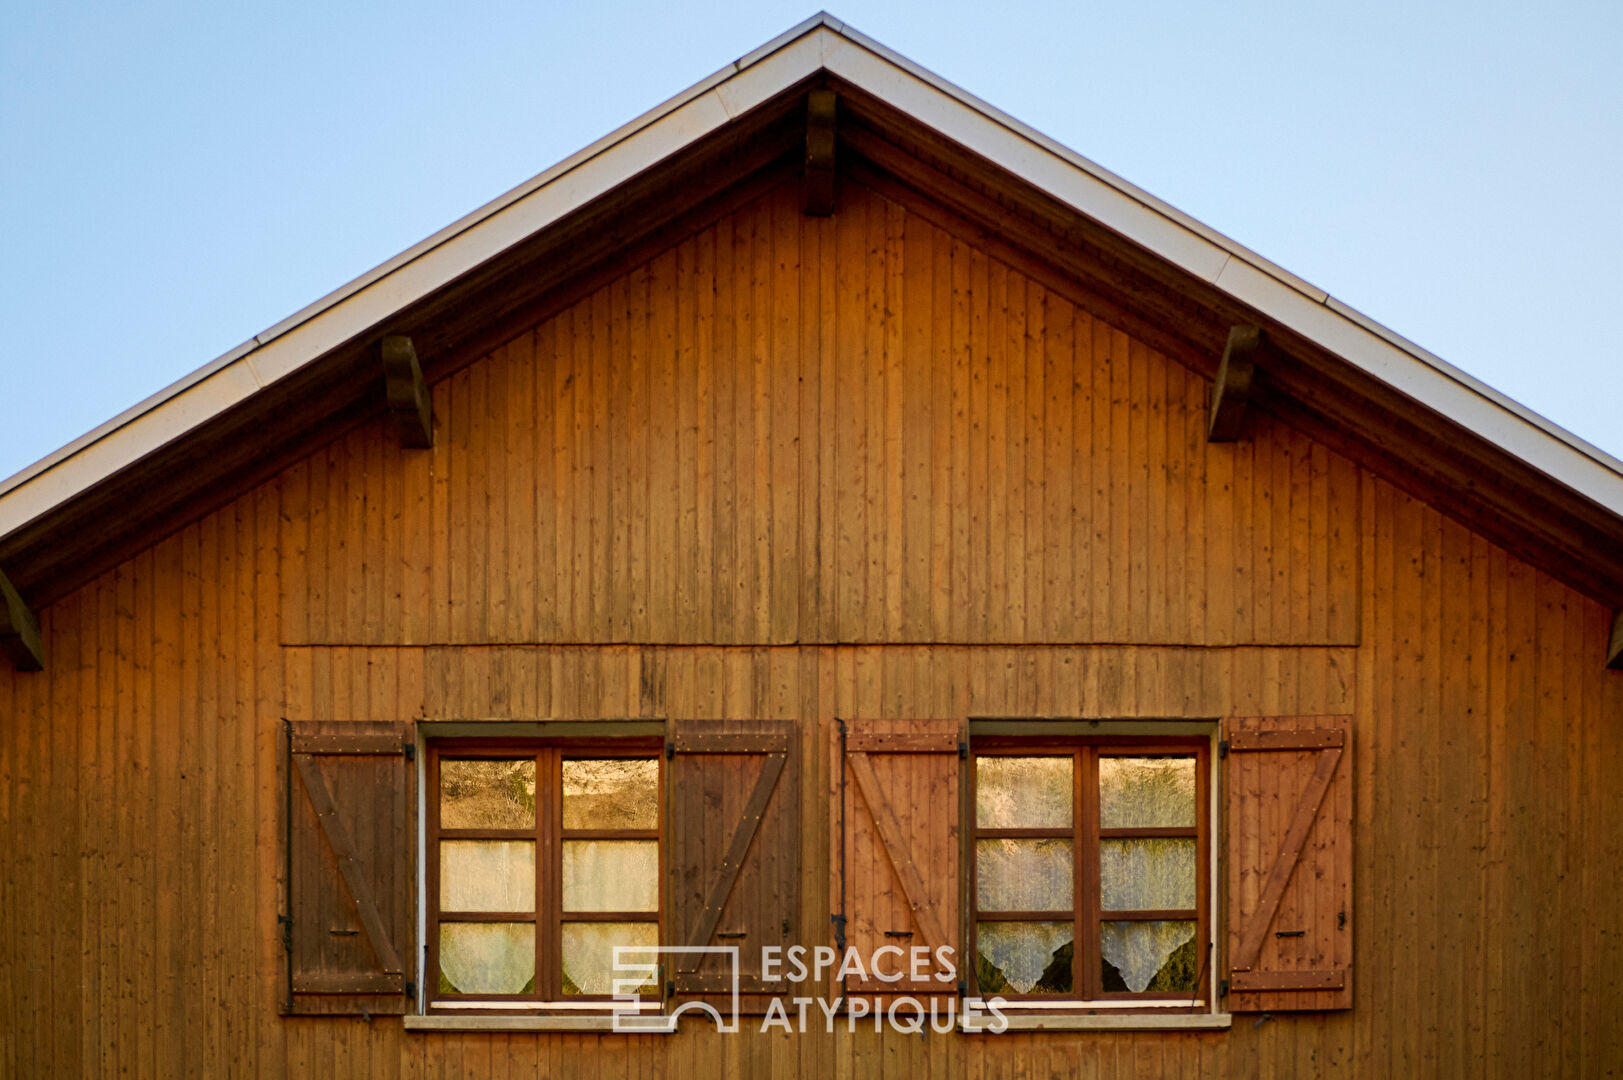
x=487, y=958
x=588, y=954
x=487, y=875
x=1154, y=956
x=485, y=793
x=611, y=793
x=611, y=875
x=1023, y=792
x=1146, y=792
x=1023, y=875
x=1024, y=957
x=1147, y=874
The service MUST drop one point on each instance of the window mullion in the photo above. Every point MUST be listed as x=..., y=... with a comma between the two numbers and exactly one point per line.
x=1084, y=900
x=547, y=864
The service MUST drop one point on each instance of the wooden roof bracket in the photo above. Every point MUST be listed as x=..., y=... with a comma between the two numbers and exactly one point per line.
x=19, y=630
x=1614, y=648
x=1232, y=390
x=817, y=187
x=407, y=392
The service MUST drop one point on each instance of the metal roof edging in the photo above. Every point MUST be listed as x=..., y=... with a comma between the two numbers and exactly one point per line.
x=308, y=334
x=819, y=43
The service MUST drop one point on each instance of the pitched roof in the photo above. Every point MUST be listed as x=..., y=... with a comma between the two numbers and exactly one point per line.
x=274, y=359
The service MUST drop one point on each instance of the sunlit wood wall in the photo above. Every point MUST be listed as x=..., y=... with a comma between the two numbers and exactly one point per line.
x=803, y=468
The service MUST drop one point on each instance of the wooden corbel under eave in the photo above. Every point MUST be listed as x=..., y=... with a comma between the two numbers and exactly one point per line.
x=409, y=402
x=1233, y=387
x=19, y=630
x=1614, y=648
x=817, y=189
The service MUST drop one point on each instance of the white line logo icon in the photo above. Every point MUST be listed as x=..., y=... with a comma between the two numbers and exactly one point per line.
x=641, y=965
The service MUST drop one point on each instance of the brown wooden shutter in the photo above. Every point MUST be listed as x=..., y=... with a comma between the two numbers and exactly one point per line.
x=346, y=922
x=902, y=847
x=734, y=861
x=1289, y=852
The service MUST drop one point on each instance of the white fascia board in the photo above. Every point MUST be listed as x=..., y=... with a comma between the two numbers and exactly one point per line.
x=1403, y=344
x=302, y=342
x=555, y=195
x=89, y=460
x=1232, y=268
x=1444, y=389
x=1018, y=154
x=501, y=202
x=354, y=308
x=141, y=407
x=1071, y=157
x=820, y=43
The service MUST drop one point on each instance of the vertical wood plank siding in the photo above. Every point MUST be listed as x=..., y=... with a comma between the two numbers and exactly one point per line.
x=796, y=469
x=647, y=466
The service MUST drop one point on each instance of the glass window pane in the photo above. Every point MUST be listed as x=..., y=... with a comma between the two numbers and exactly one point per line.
x=487, y=958
x=1146, y=792
x=487, y=793
x=1023, y=792
x=487, y=875
x=611, y=875
x=1024, y=957
x=611, y=793
x=1023, y=875
x=1147, y=874
x=1160, y=957
x=588, y=954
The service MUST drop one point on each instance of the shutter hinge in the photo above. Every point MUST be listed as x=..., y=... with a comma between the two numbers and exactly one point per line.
x=963, y=751
x=286, y=923
x=670, y=750
x=1223, y=748
x=963, y=987
x=410, y=749
x=1222, y=988
x=839, y=932
x=411, y=990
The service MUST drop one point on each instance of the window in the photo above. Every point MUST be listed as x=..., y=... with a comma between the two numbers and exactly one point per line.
x=1067, y=865
x=541, y=859
x=1091, y=870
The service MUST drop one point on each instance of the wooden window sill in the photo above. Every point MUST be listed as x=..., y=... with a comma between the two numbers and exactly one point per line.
x=982, y=1024
x=603, y=1025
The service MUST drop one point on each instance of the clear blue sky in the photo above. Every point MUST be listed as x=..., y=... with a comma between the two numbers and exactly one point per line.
x=177, y=177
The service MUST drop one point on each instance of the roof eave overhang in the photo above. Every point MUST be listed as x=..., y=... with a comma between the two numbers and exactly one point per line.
x=822, y=44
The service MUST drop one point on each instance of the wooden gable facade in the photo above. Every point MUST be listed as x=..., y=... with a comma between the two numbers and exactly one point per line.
x=813, y=500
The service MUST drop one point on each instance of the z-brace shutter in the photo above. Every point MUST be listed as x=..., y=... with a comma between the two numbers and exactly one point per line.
x=902, y=850
x=346, y=920
x=1289, y=784
x=735, y=853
